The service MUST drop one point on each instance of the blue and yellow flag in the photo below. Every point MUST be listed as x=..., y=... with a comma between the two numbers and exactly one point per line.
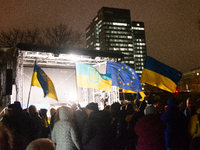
x=160, y=75
x=88, y=76
x=141, y=96
x=123, y=76
x=40, y=79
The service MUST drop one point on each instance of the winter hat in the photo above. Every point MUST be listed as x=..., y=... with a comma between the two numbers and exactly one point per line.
x=150, y=110
x=92, y=106
x=172, y=104
x=17, y=105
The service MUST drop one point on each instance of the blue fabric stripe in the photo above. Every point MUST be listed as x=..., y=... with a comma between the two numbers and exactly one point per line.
x=156, y=66
x=82, y=69
x=42, y=78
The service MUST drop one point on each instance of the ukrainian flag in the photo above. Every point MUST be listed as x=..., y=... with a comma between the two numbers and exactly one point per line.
x=141, y=96
x=160, y=75
x=40, y=79
x=88, y=76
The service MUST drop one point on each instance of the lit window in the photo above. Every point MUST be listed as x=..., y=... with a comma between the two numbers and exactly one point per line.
x=119, y=24
x=129, y=37
x=96, y=19
x=130, y=45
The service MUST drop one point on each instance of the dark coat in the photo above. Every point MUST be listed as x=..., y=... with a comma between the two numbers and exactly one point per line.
x=118, y=127
x=150, y=130
x=176, y=132
x=93, y=134
x=18, y=122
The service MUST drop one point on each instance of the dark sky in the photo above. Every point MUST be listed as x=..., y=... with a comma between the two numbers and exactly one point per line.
x=171, y=26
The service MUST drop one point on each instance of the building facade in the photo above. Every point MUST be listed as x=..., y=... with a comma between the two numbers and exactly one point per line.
x=190, y=81
x=112, y=30
x=139, y=43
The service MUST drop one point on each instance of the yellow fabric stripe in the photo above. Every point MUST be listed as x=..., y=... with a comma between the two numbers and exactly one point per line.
x=158, y=80
x=127, y=91
x=142, y=95
x=35, y=81
x=82, y=81
x=51, y=88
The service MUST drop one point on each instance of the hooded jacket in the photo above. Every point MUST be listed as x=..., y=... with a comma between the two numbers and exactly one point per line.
x=64, y=133
x=150, y=130
x=193, y=126
x=176, y=132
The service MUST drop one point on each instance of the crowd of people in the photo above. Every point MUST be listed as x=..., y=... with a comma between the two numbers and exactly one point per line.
x=137, y=126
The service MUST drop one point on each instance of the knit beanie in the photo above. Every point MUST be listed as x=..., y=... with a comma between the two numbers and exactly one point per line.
x=17, y=105
x=150, y=110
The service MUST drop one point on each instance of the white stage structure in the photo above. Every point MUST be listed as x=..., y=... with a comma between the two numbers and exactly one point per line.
x=60, y=67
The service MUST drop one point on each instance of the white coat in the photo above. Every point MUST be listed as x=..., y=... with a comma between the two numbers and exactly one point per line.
x=64, y=133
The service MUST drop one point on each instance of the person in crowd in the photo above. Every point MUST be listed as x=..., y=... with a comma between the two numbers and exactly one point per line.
x=107, y=118
x=195, y=142
x=118, y=127
x=166, y=107
x=36, y=122
x=107, y=108
x=6, y=139
x=182, y=106
x=74, y=107
x=194, y=127
x=46, y=123
x=160, y=108
x=56, y=117
x=64, y=133
x=190, y=109
x=130, y=129
x=79, y=118
x=138, y=113
x=176, y=133
x=94, y=134
x=41, y=144
x=150, y=130
x=52, y=120
x=19, y=124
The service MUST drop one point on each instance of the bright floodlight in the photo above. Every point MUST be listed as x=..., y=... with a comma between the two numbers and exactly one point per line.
x=73, y=97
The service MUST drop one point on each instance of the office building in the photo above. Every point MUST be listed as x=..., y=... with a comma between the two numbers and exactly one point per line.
x=112, y=30
x=139, y=46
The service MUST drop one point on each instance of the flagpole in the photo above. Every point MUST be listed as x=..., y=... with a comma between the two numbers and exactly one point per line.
x=29, y=97
x=76, y=86
x=30, y=85
x=123, y=94
x=138, y=90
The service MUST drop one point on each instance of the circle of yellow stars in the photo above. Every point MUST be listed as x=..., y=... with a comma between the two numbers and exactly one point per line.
x=131, y=81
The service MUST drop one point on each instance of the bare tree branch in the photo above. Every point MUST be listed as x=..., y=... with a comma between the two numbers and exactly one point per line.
x=60, y=35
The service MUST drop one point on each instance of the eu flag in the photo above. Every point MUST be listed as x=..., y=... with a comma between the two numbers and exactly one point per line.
x=40, y=79
x=123, y=76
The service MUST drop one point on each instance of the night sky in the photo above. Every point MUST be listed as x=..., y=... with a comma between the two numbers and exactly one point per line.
x=171, y=26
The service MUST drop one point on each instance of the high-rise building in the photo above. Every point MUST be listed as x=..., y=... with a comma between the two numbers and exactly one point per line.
x=112, y=30
x=139, y=46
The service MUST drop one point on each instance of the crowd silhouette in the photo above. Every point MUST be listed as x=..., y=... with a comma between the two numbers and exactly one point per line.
x=138, y=126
